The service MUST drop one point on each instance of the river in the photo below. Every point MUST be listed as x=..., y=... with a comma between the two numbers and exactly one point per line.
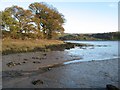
x=100, y=51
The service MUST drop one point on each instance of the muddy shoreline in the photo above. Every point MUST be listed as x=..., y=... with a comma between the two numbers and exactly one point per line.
x=47, y=70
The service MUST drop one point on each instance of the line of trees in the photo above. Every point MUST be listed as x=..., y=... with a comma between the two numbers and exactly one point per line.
x=97, y=36
x=40, y=21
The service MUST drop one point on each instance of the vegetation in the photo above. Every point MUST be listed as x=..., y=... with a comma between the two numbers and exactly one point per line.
x=40, y=21
x=16, y=45
x=29, y=30
x=44, y=45
x=76, y=37
x=107, y=36
x=98, y=36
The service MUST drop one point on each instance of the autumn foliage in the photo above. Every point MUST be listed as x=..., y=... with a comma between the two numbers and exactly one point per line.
x=39, y=21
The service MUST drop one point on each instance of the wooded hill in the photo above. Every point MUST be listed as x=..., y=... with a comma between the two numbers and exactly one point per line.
x=97, y=36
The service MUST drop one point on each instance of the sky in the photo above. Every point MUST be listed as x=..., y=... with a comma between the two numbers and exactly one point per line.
x=81, y=17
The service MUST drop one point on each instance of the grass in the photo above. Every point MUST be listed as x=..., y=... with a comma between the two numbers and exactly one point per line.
x=15, y=45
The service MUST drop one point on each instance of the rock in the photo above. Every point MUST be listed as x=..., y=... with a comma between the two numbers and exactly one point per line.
x=37, y=82
x=35, y=58
x=111, y=87
x=25, y=59
x=10, y=64
x=45, y=69
x=36, y=62
x=44, y=54
x=24, y=62
x=18, y=63
x=39, y=58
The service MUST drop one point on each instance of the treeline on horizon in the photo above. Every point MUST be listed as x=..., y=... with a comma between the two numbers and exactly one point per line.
x=39, y=21
x=97, y=36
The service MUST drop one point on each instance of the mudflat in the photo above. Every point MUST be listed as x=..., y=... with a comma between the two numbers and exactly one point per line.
x=47, y=70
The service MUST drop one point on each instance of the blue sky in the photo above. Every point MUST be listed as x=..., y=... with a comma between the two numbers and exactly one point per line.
x=83, y=17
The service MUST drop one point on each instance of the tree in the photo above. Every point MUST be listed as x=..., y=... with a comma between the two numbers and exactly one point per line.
x=9, y=23
x=41, y=20
x=24, y=17
x=49, y=20
x=18, y=21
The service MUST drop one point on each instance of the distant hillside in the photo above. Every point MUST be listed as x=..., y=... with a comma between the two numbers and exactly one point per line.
x=97, y=36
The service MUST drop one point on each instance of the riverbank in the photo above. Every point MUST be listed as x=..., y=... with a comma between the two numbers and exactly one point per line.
x=47, y=70
x=16, y=46
x=10, y=46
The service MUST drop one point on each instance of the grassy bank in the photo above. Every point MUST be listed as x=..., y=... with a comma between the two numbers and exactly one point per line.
x=17, y=46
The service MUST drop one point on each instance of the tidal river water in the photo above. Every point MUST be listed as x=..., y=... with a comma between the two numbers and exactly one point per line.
x=100, y=51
